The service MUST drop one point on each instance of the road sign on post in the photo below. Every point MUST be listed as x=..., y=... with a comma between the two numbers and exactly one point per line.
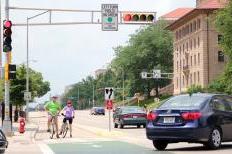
x=27, y=96
x=109, y=93
x=109, y=17
x=156, y=74
x=109, y=104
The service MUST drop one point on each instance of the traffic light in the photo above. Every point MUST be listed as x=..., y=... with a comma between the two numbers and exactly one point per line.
x=139, y=17
x=10, y=71
x=7, y=24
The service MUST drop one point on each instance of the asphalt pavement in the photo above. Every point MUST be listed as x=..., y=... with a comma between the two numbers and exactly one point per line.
x=91, y=135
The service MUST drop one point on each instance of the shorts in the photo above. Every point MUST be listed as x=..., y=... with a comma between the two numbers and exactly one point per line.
x=50, y=117
x=70, y=120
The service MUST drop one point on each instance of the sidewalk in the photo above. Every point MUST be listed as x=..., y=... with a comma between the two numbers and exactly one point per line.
x=23, y=143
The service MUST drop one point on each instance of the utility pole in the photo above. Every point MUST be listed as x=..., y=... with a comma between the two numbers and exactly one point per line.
x=123, y=87
x=78, y=98
x=1, y=70
x=93, y=95
x=27, y=69
x=6, y=122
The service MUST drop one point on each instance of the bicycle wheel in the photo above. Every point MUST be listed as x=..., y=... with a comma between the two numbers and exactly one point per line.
x=52, y=132
x=65, y=130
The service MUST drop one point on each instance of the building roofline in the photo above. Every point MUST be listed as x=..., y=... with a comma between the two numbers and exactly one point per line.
x=189, y=14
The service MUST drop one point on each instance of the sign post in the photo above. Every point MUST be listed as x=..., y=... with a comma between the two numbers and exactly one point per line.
x=109, y=96
x=109, y=17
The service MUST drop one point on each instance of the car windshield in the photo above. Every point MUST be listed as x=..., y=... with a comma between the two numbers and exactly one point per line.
x=133, y=110
x=185, y=102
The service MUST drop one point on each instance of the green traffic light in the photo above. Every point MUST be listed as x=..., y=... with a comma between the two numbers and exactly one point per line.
x=109, y=19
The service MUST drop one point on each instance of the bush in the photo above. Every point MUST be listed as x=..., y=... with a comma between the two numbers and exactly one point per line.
x=195, y=89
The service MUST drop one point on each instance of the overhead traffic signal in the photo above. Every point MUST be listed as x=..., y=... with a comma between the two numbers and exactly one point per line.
x=139, y=17
x=7, y=24
x=10, y=71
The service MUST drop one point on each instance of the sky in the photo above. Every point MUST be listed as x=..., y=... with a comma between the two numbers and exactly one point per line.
x=67, y=54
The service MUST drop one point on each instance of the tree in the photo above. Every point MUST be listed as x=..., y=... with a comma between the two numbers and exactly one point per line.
x=224, y=26
x=151, y=47
x=37, y=86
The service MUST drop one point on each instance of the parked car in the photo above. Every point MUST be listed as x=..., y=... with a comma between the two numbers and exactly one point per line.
x=197, y=118
x=97, y=111
x=3, y=142
x=129, y=115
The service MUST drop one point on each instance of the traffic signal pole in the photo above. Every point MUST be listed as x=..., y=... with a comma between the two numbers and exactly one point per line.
x=6, y=122
x=1, y=70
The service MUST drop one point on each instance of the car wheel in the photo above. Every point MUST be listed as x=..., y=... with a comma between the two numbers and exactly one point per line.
x=138, y=126
x=144, y=126
x=215, y=139
x=115, y=125
x=160, y=145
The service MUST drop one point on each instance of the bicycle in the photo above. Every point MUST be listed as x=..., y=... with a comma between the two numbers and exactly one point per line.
x=64, y=127
x=53, y=125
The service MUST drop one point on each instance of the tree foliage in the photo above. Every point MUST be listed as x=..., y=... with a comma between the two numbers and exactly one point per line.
x=224, y=26
x=194, y=89
x=37, y=86
x=150, y=47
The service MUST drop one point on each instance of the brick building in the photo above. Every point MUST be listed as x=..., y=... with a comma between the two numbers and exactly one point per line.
x=198, y=58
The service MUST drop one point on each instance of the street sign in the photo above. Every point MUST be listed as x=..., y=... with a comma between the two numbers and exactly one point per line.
x=156, y=74
x=109, y=17
x=109, y=93
x=144, y=75
x=109, y=104
x=27, y=96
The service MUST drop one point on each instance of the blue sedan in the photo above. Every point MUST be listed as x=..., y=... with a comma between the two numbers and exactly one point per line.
x=198, y=118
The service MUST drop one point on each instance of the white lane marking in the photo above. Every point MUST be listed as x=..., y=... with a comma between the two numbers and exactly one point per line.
x=96, y=146
x=45, y=149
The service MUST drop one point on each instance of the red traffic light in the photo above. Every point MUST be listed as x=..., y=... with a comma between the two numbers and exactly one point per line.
x=7, y=24
x=138, y=17
x=127, y=17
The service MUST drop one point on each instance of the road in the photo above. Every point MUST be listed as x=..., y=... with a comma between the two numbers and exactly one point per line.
x=91, y=135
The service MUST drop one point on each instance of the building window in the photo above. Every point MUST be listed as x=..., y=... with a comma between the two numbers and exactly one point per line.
x=194, y=26
x=194, y=43
x=199, y=59
x=176, y=82
x=198, y=77
x=191, y=28
x=179, y=34
x=191, y=60
x=183, y=81
x=220, y=37
x=195, y=60
x=187, y=46
x=187, y=29
x=191, y=44
x=177, y=66
x=198, y=23
x=220, y=56
x=194, y=77
x=191, y=80
x=187, y=78
x=183, y=48
x=198, y=41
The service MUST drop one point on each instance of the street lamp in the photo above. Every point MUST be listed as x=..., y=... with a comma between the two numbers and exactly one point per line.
x=27, y=72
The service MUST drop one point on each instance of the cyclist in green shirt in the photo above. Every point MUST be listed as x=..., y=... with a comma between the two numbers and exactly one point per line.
x=53, y=108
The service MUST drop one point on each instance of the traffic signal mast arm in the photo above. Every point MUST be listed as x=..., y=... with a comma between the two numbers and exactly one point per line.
x=137, y=17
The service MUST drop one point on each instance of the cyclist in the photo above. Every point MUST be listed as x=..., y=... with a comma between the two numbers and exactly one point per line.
x=68, y=115
x=53, y=108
